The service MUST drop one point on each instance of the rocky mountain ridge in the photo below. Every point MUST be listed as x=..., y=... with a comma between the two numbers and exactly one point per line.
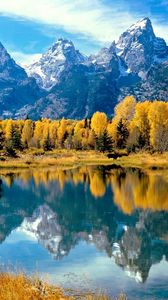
x=51, y=66
x=65, y=83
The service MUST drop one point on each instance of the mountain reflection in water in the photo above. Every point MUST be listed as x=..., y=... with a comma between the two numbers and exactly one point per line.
x=123, y=212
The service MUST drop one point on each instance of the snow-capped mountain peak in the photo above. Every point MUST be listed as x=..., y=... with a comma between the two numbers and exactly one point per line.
x=66, y=83
x=142, y=24
x=59, y=58
x=140, y=48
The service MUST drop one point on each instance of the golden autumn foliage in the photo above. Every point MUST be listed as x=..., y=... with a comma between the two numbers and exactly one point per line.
x=139, y=126
x=158, y=120
x=126, y=109
x=38, y=133
x=124, y=112
x=27, y=133
x=61, y=131
x=53, y=132
x=142, y=125
x=8, y=129
x=99, y=123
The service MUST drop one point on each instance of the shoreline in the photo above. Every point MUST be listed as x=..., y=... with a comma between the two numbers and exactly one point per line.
x=20, y=287
x=65, y=158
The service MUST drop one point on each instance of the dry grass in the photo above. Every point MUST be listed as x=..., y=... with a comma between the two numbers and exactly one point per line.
x=33, y=159
x=145, y=160
x=69, y=158
x=19, y=287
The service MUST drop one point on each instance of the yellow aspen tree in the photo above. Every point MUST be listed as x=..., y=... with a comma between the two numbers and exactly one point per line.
x=45, y=142
x=99, y=123
x=126, y=109
x=8, y=129
x=61, y=132
x=19, y=125
x=142, y=122
x=124, y=113
x=134, y=134
x=91, y=139
x=158, y=120
x=53, y=127
x=78, y=134
x=27, y=133
x=38, y=133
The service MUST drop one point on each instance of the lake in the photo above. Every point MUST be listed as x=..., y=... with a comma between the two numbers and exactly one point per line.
x=88, y=228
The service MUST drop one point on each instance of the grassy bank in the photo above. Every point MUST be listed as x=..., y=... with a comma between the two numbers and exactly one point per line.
x=19, y=287
x=38, y=158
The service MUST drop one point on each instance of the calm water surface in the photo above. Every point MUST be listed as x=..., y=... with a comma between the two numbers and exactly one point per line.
x=89, y=228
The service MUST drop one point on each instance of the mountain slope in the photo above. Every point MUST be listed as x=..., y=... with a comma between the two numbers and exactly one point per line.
x=65, y=83
x=17, y=90
x=129, y=66
x=140, y=48
x=52, y=65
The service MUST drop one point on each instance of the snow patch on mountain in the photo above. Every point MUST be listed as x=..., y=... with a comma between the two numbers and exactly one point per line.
x=141, y=24
x=43, y=227
x=51, y=66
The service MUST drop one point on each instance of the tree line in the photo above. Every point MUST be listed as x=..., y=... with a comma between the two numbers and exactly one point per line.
x=135, y=126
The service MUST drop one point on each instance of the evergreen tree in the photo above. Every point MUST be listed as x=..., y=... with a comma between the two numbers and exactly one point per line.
x=2, y=139
x=122, y=134
x=143, y=142
x=47, y=143
x=10, y=151
x=16, y=139
x=104, y=142
x=85, y=123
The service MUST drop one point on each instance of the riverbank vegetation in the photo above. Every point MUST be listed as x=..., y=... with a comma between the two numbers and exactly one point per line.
x=135, y=127
x=33, y=158
x=20, y=287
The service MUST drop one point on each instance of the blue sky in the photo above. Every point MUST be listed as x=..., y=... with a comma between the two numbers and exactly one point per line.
x=29, y=27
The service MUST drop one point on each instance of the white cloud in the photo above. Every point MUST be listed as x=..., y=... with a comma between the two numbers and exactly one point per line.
x=91, y=18
x=24, y=59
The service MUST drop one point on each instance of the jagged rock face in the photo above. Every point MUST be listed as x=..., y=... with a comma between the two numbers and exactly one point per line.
x=9, y=70
x=54, y=63
x=153, y=87
x=80, y=93
x=107, y=59
x=65, y=83
x=140, y=48
x=80, y=86
x=157, y=77
x=16, y=88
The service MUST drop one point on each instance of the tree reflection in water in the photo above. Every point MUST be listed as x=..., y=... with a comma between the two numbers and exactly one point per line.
x=121, y=211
